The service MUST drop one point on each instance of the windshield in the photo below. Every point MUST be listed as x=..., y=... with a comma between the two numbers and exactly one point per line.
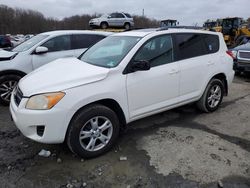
x=29, y=43
x=110, y=51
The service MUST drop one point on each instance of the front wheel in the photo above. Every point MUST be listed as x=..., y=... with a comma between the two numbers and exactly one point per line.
x=93, y=131
x=104, y=25
x=212, y=96
x=7, y=84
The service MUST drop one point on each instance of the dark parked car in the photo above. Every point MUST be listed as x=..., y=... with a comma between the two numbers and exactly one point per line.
x=5, y=41
x=241, y=56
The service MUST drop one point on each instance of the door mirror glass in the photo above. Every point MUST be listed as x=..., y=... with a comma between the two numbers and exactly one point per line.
x=41, y=50
x=141, y=65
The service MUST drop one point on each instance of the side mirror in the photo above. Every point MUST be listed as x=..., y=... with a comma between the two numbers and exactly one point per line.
x=41, y=50
x=109, y=16
x=141, y=65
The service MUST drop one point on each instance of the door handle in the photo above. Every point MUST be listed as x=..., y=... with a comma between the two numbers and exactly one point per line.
x=210, y=63
x=173, y=71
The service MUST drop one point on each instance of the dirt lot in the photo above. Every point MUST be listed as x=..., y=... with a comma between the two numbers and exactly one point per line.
x=179, y=148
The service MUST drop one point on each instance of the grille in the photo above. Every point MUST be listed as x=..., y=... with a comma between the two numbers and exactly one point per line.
x=18, y=95
x=244, y=55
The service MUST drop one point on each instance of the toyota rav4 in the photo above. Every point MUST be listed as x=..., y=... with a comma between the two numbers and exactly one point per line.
x=124, y=77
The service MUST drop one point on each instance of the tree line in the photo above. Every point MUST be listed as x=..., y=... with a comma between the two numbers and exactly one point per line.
x=22, y=21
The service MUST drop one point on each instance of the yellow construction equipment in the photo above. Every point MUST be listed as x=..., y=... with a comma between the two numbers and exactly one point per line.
x=235, y=31
x=213, y=26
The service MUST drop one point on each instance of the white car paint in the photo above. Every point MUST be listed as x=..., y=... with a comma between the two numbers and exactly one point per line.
x=139, y=94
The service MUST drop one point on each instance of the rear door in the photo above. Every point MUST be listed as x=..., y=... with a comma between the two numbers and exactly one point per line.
x=197, y=58
x=58, y=47
x=81, y=42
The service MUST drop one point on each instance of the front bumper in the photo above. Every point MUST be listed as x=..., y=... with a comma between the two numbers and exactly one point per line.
x=94, y=24
x=54, y=121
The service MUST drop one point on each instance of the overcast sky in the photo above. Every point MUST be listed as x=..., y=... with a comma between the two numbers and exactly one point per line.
x=185, y=11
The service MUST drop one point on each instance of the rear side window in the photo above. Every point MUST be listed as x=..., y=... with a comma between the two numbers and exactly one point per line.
x=84, y=40
x=193, y=44
x=128, y=15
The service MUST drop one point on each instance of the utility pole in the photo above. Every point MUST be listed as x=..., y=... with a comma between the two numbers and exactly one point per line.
x=143, y=12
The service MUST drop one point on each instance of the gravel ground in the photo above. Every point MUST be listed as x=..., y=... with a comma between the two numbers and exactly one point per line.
x=179, y=148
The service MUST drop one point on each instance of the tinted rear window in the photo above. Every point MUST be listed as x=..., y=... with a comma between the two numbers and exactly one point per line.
x=85, y=40
x=192, y=44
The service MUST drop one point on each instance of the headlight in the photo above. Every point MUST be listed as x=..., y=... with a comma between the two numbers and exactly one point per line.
x=44, y=101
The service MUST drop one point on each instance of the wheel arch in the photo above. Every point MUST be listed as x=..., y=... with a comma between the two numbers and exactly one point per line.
x=110, y=103
x=223, y=78
x=15, y=72
x=104, y=22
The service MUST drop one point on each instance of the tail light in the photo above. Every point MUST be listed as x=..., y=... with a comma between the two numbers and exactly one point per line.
x=232, y=54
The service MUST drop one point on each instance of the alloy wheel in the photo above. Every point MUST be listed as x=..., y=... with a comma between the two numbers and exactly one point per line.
x=214, y=96
x=96, y=133
x=6, y=89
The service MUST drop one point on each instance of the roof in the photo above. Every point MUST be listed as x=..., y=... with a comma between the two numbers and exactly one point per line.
x=177, y=29
x=168, y=20
x=61, y=32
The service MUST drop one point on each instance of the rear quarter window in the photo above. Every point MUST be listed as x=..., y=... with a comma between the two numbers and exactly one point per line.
x=191, y=45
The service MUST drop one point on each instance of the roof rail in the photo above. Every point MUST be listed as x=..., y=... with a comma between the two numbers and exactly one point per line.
x=179, y=27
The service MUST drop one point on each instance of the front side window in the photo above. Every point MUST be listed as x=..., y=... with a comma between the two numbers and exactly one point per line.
x=85, y=40
x=110, y=51
x=157, y=51
x=59, y=43
x=113, y=15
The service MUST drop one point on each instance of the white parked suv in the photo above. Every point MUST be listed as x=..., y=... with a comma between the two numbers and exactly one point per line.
x=40, y=50
x=115, y=19
x=124, y=77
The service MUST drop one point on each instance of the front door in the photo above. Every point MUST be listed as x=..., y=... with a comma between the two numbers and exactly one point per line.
x=152, y=90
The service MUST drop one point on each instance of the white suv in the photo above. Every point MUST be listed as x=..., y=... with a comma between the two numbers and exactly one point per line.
x=40, y=50
x=124, y=77
x=115, y=19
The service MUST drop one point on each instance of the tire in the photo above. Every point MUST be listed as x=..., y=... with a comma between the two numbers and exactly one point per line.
x=7, y=84
x=206, y=103
x=127, y=26
x=104, y=25
x=90, y=120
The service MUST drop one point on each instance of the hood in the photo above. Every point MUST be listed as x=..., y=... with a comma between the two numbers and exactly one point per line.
x=243, y=47
x=7, y=55
x=60, y=75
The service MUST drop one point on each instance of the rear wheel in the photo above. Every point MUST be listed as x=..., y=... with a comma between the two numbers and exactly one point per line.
x=7, y=84
x=212, y=97
x=127, y=26
x=93, y=131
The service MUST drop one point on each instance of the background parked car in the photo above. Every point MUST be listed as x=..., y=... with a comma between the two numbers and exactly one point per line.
x=5, y=41
x=40, y=50
x=113, y=20
x=241, y=56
